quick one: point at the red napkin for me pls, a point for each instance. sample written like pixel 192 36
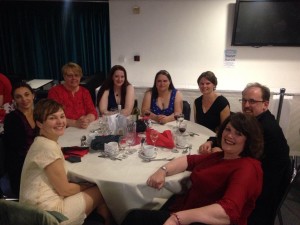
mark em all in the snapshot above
pixel 74 151
pixel 164 139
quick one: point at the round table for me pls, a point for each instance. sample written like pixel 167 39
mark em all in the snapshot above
pixel 123 182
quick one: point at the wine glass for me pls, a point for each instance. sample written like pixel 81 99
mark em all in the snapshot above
pixel 178 116
pixel 154 137
pixel 147 114
pixel 182 127
pixel 130 139
pixel 122 145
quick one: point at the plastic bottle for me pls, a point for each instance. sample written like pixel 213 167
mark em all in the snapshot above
pixel 119 109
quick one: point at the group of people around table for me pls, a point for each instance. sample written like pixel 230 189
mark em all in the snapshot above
pixel 239 177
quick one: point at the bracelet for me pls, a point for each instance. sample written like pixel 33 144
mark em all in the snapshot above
pixel 177 218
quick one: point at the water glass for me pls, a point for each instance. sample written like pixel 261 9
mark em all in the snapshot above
pixel 154 137
pixel 130 139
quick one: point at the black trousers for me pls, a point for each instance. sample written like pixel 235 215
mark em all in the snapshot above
pixel 151 217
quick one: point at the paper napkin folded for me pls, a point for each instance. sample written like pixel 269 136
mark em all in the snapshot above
pixel 74 153
pixel 164 139
pixel 99 141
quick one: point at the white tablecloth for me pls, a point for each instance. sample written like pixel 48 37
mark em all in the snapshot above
pixel 123 183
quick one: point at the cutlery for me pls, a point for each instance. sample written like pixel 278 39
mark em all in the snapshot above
pixel 185 150
pixel 110 157
pixel 162 159
pixel 83 141
pixel 192 134
pixel 190 148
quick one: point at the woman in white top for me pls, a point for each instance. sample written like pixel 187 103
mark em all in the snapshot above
pixel 44 181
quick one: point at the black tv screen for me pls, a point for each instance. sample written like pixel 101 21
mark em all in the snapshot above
pixel 266 23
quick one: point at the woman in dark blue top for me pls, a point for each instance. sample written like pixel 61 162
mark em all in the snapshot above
pixel 210 109
pixel 162 100
pixel 116 90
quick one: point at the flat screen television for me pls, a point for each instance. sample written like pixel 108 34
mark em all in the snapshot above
pixel 266 23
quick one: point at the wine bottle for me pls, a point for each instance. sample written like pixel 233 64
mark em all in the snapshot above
pixel 135 111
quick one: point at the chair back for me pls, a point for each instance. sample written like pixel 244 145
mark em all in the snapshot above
pixel 289 209
pixel 186 110
pixel 16 213
pixel 2 156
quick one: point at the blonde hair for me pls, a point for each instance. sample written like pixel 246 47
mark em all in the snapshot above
pixel 73 66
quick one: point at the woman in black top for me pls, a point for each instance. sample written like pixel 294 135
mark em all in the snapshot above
pixel 211 108
pixel 19 133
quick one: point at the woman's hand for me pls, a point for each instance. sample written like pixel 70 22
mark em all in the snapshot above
pixel 205 148
pixel 162 119
pixel 157 180
pixel 172 220
pixel 83 122
pixel 85 185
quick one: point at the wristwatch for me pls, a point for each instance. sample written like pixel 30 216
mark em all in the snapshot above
pixel 164 169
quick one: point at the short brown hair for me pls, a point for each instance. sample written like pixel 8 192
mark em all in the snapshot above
pixel 209 76
pixel 71 65
pixel 248 126
pixel 265 91
pixel 44 108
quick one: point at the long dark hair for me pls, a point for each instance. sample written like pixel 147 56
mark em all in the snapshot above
pixel 154 88
pixel 109 83
pixel 248 126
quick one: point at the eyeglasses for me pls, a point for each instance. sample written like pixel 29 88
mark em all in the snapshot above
pixel 250 101
pixel 72 75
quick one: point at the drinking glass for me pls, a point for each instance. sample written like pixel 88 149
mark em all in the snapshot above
pixel 180 118
pixel 130 139
pixel 122 146
pixel 147 114
pixel 177 117
pixel 182 127
pixel 154 137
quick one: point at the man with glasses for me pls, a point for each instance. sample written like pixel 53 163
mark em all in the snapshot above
pixel 275 161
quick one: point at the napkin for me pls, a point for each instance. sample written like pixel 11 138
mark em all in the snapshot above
pixel 74 153
pixel 99 141
pixel 164 139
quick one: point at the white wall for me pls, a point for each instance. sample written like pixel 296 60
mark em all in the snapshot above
pixel 188 37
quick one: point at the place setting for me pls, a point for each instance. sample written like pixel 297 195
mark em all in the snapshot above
pixel 182 138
